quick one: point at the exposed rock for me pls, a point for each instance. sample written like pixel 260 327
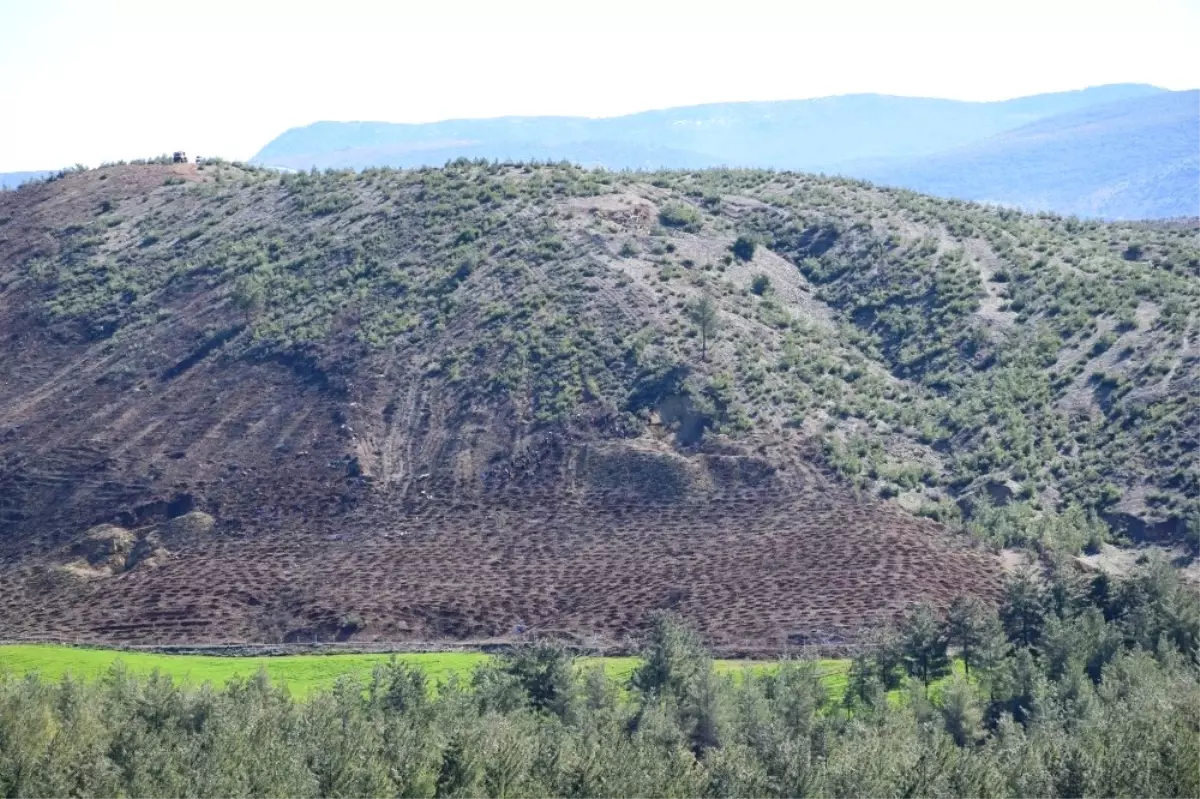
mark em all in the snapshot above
pixel 79 572
pixel 998 492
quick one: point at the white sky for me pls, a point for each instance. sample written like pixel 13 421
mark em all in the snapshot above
pixel 92 80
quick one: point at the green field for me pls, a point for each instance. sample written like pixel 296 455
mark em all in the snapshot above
pixel 303 674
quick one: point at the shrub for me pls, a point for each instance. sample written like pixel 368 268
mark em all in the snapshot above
pixel 761 284
pixel 679 215
pixel 743 248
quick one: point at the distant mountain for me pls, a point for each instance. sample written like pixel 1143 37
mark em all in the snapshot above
pixel 1136 158
pixel 10 180
pixel 814 135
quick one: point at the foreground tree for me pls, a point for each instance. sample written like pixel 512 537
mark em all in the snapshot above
pixel 545 672
pixel 961 712
pixel 678 675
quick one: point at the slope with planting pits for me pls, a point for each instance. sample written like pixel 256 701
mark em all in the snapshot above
pixel 453 404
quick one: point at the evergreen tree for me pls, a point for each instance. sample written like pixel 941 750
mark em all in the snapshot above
pixel 863 684
pixel 460 772
pixel 877 667
pixel 545 672
pixel 961 712
pixel 674 659
pixel 923 643
pixel 924 646
pixel 703 314
pixel 974 629
pixel 1023 609
pixel 678 672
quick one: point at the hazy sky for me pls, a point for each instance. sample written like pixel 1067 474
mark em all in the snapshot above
pixel 94 80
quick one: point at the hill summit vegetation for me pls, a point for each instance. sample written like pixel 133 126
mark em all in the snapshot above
pixel 448 332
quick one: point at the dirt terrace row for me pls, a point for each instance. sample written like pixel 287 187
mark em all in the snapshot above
pixel 815 566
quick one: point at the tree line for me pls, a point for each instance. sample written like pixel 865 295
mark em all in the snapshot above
pixel 1072 686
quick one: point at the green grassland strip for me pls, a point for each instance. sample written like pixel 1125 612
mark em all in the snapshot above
pixel 304 674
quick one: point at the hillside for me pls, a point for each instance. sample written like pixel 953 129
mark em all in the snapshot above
pixel 1137 158
pixel 451 403
pixel 815 135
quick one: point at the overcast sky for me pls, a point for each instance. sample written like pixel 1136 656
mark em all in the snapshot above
pixel 94 80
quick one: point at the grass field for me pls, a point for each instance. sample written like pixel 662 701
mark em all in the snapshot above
pixel 303 674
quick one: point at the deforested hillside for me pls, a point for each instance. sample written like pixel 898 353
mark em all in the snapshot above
pixel 451 403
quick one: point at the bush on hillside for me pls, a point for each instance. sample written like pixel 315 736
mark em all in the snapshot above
pixel 743 248
pixel 679 215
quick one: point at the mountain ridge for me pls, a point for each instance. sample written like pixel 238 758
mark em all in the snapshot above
pixel 916 125
pixel 1137 158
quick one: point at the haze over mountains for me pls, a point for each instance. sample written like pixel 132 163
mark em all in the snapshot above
pixel 1121 151
pixel 11 180
pixel 1136 158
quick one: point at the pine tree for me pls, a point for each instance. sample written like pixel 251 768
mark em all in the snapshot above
pixel 961 712
pixel 678 669
pixel 924 646
pixel 1023 610
pixel 460 771
pixel 703 314
pixel 546 674
pixel 974 628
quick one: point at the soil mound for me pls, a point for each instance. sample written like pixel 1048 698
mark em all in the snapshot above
pixel 106 546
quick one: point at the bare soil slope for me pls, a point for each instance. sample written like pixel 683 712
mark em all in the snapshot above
pixel 441 404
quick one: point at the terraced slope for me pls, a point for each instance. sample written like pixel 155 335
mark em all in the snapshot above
pixel 236 406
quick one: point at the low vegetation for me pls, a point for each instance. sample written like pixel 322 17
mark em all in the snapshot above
pixel 302 675
pixel 1075 688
